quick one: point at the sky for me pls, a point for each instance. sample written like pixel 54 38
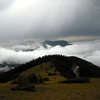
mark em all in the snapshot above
pixel 50 19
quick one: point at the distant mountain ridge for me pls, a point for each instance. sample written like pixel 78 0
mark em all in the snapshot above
pixel 6 67
pixel 55 43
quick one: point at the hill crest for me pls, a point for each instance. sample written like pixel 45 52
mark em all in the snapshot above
pixel 62 64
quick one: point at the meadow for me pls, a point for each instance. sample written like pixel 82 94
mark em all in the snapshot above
pixel 52 90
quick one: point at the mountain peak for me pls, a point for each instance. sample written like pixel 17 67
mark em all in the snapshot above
pixel 55 43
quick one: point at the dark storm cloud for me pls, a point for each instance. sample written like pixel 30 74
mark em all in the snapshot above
pixel 49 18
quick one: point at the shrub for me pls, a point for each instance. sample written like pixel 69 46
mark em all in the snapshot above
pixel 79 80
pixel 24 87
pixel 21 80
pixel 33 78
pixel 26 80
pixel 46 79
pixel 52 74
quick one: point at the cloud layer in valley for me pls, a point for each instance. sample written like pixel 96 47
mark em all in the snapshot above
pixel 89 50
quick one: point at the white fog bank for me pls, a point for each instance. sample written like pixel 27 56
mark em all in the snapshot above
pixel 88 50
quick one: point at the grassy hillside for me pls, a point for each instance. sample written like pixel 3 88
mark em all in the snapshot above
pixel 45 72
pixel 54 91
pixel 43 79
pixel 62 64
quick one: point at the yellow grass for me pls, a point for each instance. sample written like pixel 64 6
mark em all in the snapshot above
pixel 43 70
pixel 54 91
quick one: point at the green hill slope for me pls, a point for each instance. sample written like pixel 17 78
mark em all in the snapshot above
pixel 51 67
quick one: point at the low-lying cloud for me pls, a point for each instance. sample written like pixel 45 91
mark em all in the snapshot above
pixel 89 50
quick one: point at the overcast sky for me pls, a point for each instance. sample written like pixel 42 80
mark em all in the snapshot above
pixel 49 19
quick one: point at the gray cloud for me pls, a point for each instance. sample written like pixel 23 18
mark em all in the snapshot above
pixel 5 3
pixel 88 50
pixel 49 18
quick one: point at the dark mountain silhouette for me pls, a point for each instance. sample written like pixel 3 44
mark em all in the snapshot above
pixel 61 64
pixel 10 65
pixel 55 43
